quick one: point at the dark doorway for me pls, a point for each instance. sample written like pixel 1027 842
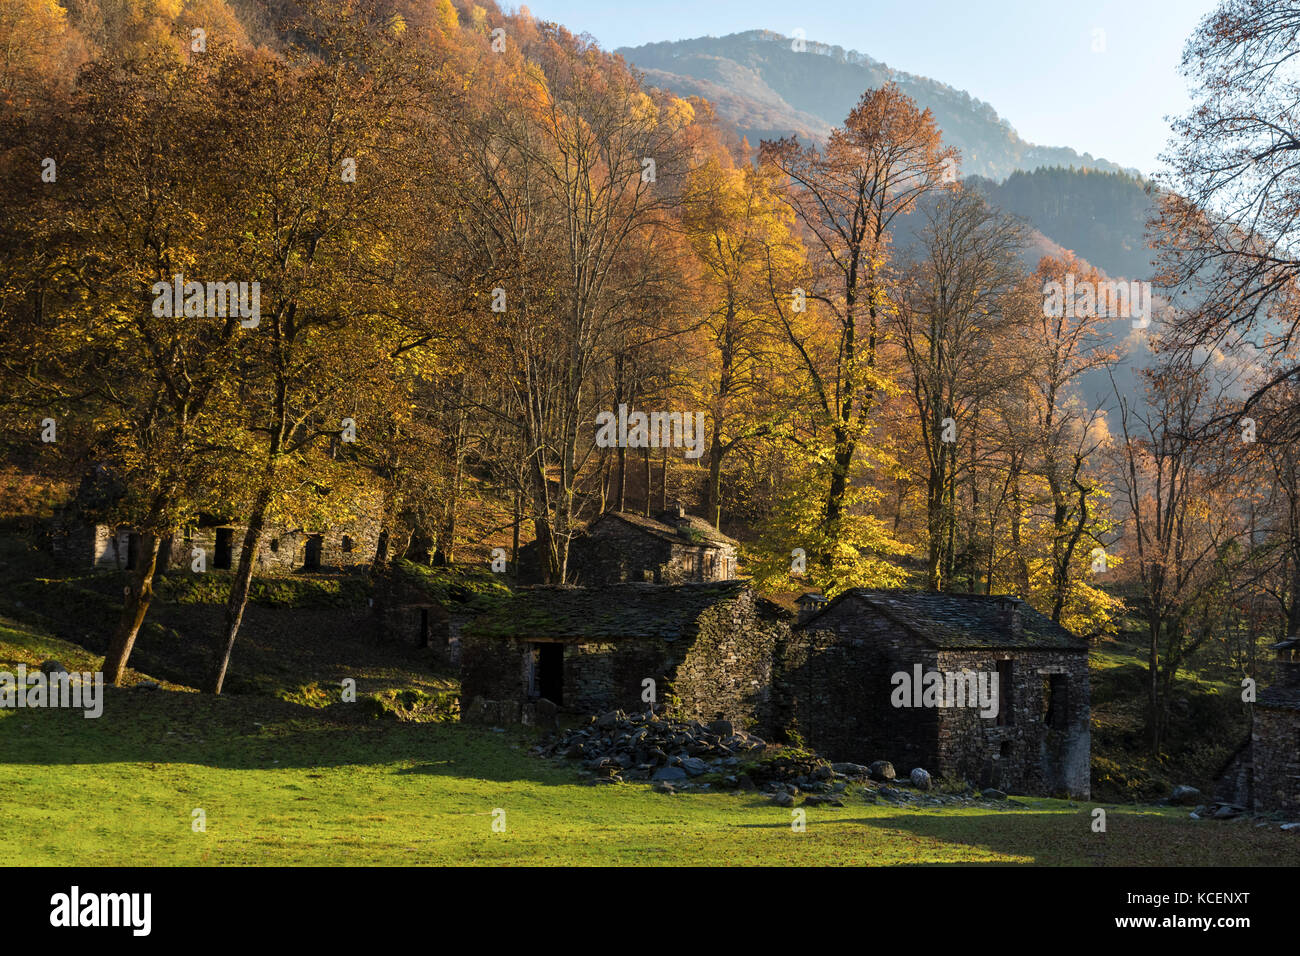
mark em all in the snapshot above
pixel 550 672
pixel 225 548
pixel 132 551
pixel 1055 701
pixel 311 561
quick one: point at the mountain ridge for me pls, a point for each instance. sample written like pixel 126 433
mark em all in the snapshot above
pixel 766 90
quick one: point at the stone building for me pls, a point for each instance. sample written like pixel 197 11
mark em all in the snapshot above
pixel 835 676
pixel 104 547
pixel 1274 753
pixel 851 679
pixel 671 548
pixel 707 647
pixel 80 535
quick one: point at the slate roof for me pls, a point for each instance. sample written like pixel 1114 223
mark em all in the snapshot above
pixel 962 621
pixel 633 610
pixel 689 530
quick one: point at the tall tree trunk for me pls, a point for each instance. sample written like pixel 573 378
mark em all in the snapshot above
pixel 138 597
pixel 620 499
pixel 663 480
pixel 242 583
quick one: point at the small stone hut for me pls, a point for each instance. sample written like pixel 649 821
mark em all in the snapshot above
pixel 707 647
pixel 673 547
pixel 848 674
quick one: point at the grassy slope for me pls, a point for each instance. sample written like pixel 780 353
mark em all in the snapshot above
pixel 283 784
pixel 1207 721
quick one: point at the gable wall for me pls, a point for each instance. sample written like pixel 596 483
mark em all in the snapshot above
pixel 835 679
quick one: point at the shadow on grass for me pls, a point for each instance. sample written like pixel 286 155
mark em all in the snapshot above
pixel 257 733
pixel 1133 837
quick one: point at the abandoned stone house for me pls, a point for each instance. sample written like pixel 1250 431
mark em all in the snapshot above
pixel 104 547
pixel 1264 773
pixel 839 685
pixel 707 648
pixel 80 536
pixel 719 650
pixel 673 547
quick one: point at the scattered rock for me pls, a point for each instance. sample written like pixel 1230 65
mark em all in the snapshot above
pixel 52 667
pixel 783 799
pixel 1226 812
pixel 820 800
pixel 992 794
pixel 669 774
pixel 921 779
pixel 723 728
pixel 881 771
pixel 694 766
pixel 1183 795
pixel 854 770
pixel 1291 826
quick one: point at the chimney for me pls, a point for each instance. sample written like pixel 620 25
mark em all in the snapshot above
pixel 1286 663
pixel 809 604
pixel 1009 612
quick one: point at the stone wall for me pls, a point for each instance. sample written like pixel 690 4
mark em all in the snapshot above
pixel 727 671
pixel 1022 754
pixel 835 683
pixel 1275 756
pixel 721 670
pixel 614 551
pixel 285 549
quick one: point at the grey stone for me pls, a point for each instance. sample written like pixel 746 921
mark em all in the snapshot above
pixel 816 800
pixel 850 769
pixel 993 794
pixel 52 667
pixel 670 774
pixel 783 799
pixel 921 779
pixel 694 766
pixel 881 770
pixel 1183 795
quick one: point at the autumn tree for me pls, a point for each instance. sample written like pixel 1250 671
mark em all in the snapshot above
pixel 952 325
pixel 846 197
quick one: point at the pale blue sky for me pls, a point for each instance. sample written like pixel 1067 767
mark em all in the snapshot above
pixel 1032 60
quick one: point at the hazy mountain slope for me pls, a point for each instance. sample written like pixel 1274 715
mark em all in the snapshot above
pixel 766 89
pixel 1101 216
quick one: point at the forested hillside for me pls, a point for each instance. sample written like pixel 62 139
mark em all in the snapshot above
pixel 289 263
pixel 768 89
